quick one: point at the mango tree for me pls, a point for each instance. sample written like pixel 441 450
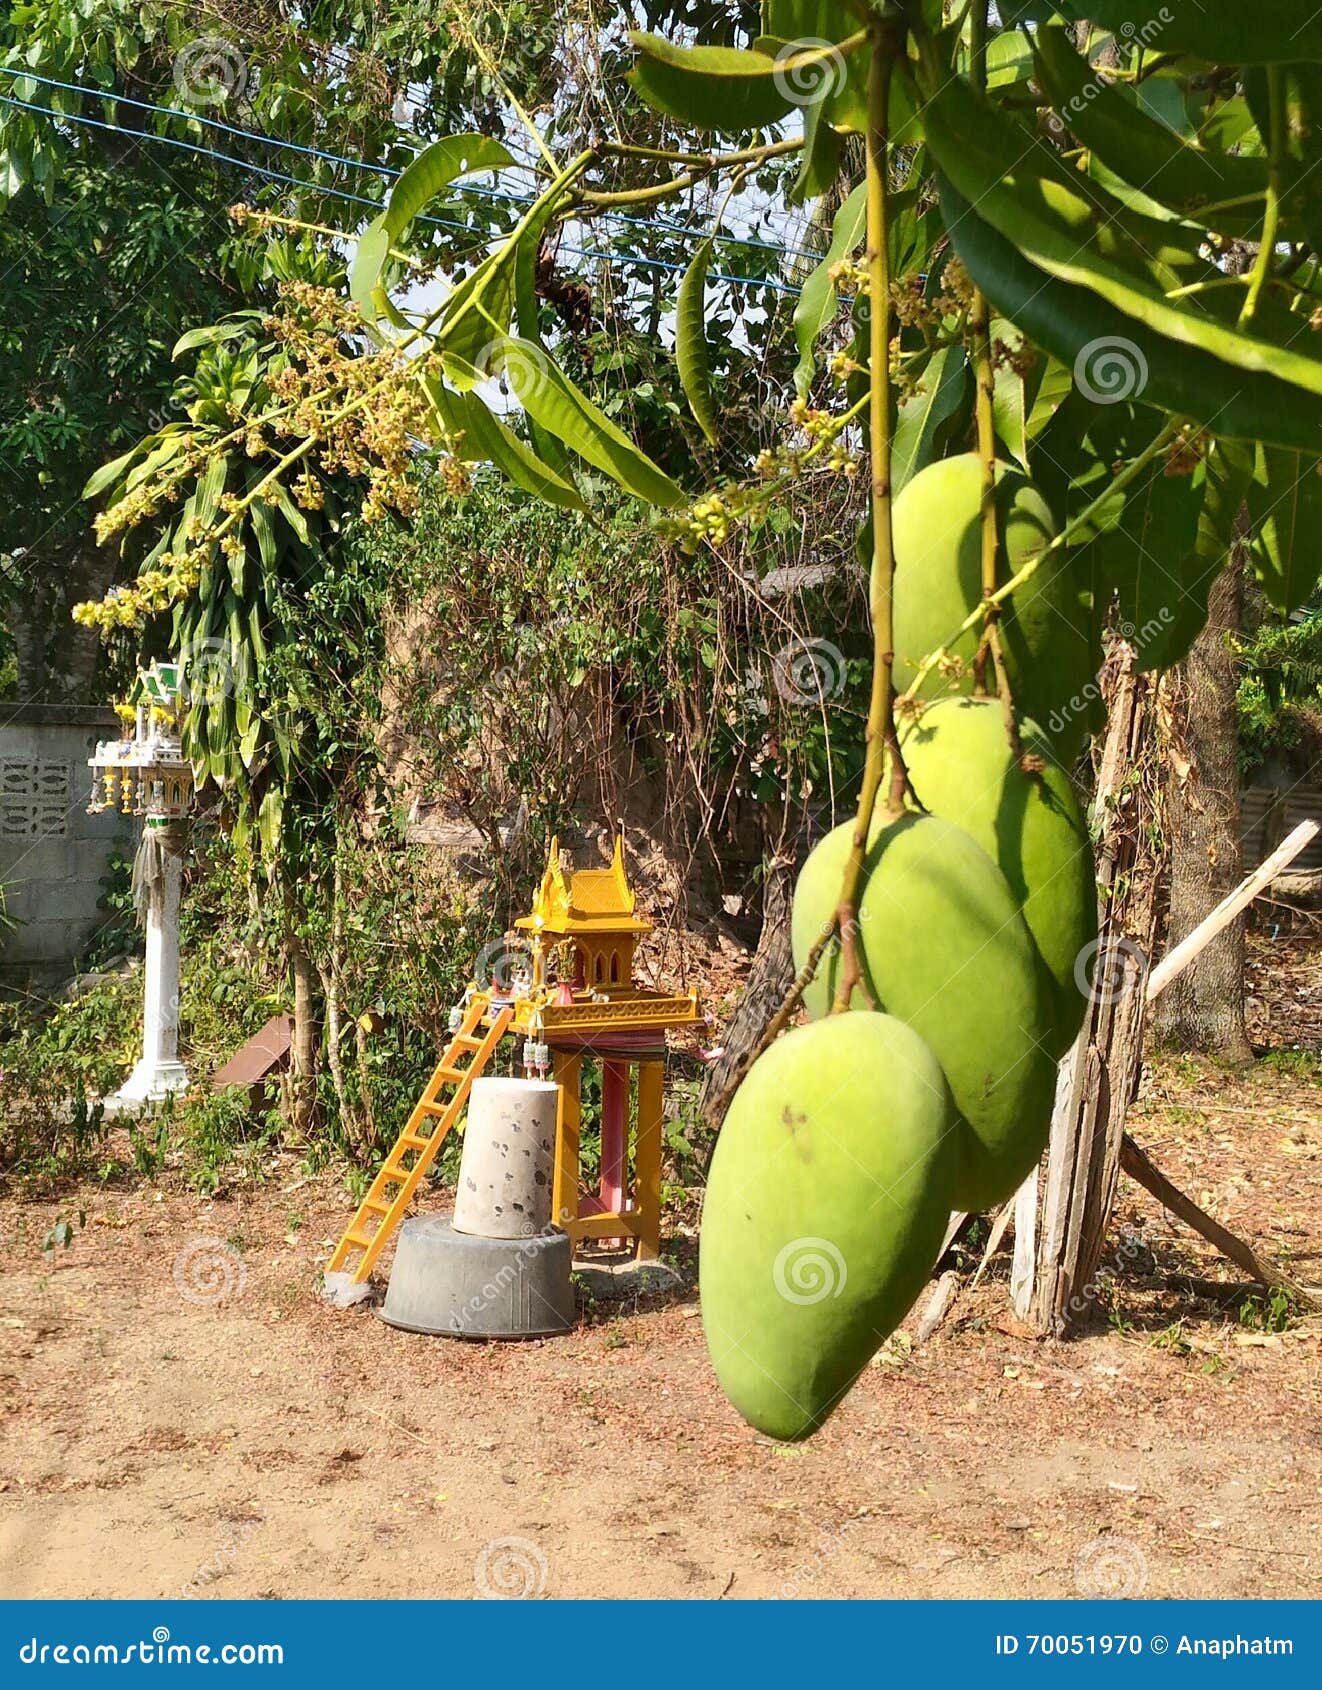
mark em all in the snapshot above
pixel 1035 321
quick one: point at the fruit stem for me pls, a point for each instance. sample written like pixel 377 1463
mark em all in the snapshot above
pixel 985 389
pixel 1127 476
pixel 1271 216
pixel 880 736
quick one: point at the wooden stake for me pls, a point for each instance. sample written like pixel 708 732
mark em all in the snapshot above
pixel 1139 1168
pixel 1176 961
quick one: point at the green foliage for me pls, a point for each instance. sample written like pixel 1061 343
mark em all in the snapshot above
pixel 1279 692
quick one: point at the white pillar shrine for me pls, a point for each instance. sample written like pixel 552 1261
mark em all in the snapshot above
pixel 149 777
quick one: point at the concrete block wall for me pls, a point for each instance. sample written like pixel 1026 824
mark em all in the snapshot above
pixel 53 855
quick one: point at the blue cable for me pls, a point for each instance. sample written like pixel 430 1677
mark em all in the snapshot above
pixel 775 285
pixel 385 170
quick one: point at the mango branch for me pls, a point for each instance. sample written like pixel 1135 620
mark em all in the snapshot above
pixel 699 167
pixel 880 733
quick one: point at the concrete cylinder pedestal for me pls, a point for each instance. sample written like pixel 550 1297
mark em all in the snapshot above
pixel 508 1163
pixel 159 1072
pixel 451 1284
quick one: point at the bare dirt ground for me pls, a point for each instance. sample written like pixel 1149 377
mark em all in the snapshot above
pixel 261 1444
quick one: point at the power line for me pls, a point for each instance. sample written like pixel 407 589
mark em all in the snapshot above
pixel 376 169
pixel 772 283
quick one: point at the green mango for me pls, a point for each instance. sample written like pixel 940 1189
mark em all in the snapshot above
pixel 826 1205
pixel 938 581
pixel 961 767
pixel 816 895
pixel 945 949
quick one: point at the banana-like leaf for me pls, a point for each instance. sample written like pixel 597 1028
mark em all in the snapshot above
pixel 108 474
pixel 1055 229
pixel 691 341
pixel 206 501
pixel 434 169
pixel 296 518
pixel 263 527
pixel 1115 357
pixel 1285 505
pixel 210 333
pixel 555 404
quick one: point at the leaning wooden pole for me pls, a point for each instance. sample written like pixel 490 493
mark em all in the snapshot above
pixel 1061 1224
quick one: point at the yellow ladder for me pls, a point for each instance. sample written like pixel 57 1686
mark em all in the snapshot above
pixel 393 1188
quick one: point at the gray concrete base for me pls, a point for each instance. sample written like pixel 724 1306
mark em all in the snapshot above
pixel 455 1285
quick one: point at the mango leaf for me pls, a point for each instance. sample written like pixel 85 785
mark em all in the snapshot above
pixel 1214 30
pixel 1009 401
pixel 723 88
pixel 210 333
pixel 817 301
pixel 1116 356
pixel 478 312
pixel 555 404
pixel 923 414
pixel 486 439
pixel 1166 170
pixel 983 156
pixel 1147 557
pixel 691 341
pixel 819 163
pixel 434 168
pixel 1053 389
pixel 1009 59
pixel 1285 507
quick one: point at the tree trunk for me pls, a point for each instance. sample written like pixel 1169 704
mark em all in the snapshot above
pixel 771 976
pixel 1059 1237
pixel 303 1050
pixel 1203 1010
